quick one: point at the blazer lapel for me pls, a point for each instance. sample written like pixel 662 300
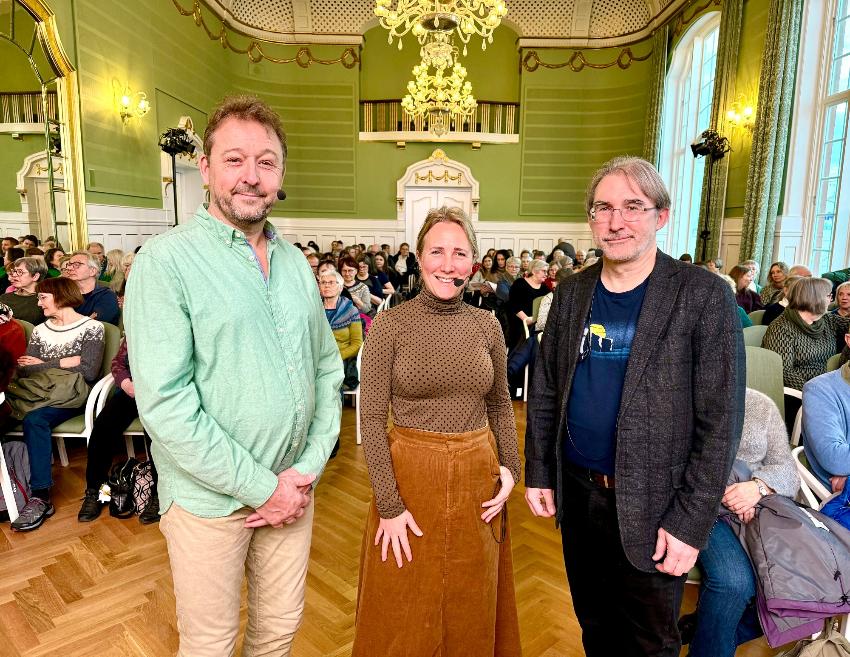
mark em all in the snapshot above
pixel 654 318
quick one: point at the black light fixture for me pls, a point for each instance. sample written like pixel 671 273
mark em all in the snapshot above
pixel 174 142
pixel 712 145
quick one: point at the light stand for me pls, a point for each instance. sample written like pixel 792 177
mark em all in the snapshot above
pixel 714 147
pixel 174 142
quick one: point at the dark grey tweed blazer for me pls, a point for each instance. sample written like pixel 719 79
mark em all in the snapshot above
pixel 682 409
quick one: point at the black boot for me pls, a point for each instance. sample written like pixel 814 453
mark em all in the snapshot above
pixel 91 508
pixel 150 513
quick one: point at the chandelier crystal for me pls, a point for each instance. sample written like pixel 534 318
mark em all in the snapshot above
pixel 463 18
pixel 442 94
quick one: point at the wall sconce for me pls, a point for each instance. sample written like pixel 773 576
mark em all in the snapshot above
pixel 742 114
pixel 129 104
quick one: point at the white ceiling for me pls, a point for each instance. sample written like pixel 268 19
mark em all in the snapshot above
pixel 547 22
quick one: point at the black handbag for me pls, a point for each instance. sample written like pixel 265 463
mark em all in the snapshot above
pixel 121 478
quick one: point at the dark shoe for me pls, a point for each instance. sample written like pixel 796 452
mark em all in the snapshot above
pixel 150 513
pixel 35 512
pixel 91 508
pixel 335 449
pixel 687 627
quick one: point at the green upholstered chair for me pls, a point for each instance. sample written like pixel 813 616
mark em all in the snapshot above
pixel 27 328
pixel 753 335
pixel 764 373
pixel 756 316
pixel 832 363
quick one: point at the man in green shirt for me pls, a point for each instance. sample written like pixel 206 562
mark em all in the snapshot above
pixel 237 379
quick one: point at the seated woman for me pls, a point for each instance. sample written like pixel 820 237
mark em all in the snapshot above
pixel 387 276
pixel 358 291
pixel 726 615
pixel 552 276
pixel 773 291
pixel 521 300
pixel 826 425
pixel 842 298
pixel 345 324
pixel 365 275
pixel 52 258
pixel 25 274
pixel 805 335
pixel 69 341
pixel 507 277
pixel 748 299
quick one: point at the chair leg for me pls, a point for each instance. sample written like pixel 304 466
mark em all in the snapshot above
pixel 525 386
pixel 357 416
pixel 63 453
pixel 6 485
pixel 131 449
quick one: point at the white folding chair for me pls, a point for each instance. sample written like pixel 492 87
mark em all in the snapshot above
pixel 6 480
pixel 813 491
pixel 356 394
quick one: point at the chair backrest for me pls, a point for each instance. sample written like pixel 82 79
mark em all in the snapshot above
pixel 753 335
pixel 814 492
pixel 755 318
pixel 28 328
pixel 764 373
pixel 832 363
pixel 111 342
pixel 535 307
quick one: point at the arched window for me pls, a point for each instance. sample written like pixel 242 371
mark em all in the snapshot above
pixel 687 111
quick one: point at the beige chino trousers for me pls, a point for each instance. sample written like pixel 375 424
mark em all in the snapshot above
pixel 209 558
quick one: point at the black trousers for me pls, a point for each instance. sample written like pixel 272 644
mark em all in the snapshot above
pixel 107 437
pixel 622 611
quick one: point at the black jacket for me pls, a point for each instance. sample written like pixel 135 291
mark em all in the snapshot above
pixel 681 412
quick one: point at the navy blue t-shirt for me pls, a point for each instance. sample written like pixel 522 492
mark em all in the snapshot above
pixel 597 388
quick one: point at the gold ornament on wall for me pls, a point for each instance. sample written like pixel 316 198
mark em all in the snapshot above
pixel 304 57
pixel 531 61
pixel 687 15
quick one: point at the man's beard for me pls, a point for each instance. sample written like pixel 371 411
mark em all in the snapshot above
pixel 242 220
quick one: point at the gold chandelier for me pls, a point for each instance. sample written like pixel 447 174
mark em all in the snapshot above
pixel 422 17
pixel 439 95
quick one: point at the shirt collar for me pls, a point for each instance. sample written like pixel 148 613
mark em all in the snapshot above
pixel 223 232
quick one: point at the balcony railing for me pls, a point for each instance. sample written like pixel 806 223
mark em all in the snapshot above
pixel 26 107
pixel 489 118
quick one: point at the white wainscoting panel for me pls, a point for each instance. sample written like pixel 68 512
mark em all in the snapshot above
pixel 730 242
pixel 125 228
pixel 13 224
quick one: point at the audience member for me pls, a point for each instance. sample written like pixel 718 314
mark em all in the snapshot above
pixel 826 426
pixel 579 259
pixel 118 284
pixel 9 257
pixel 34 251
pixel 109 426
pixel 500 261
pixel 524 262
pixel 359 293
pixel 52 258
pixel 385 273
pixel 113 265
pixel 345 324
pixel 726 616
pixel 99 303
pixel 13 338
pixel 29 242
pixel 68 341
pixel 25 274
pixel 748 299
pixel 404 262
pixel 711 265
pixel 743 317
pixel 842 298
pixel 772 292
pixel 805 335
pixel 537 254
pixel 753 266
pixel 97 250
pixel 365 275
pixel 8 243
pixel 775 309
pixel 507 277
pixel 313 261
pixel 521 301
pixel 800 270
pixel 686 257
pixel 551 276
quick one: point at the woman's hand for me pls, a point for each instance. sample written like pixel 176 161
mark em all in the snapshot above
pixel 741 497
pixel 358 303
pixel 70 361
pixel 394 531
pixel 837 483
pixel 494 506
pixel 129 387
pixel 29 360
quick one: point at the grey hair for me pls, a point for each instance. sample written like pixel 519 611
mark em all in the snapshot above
pixel 93 261
pixel 513 260
pixel 333 272
pixel 642 173
pixel 537 265
pixel 33 264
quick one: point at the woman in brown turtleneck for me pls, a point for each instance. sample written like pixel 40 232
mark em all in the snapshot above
pixel 443 472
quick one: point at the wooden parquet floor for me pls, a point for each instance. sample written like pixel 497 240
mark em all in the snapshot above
pixel 104 588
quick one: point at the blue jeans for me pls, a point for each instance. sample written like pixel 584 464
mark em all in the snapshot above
pixel 726 615
pixel 38 426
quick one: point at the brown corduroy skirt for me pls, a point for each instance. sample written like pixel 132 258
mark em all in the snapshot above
pixel 457 595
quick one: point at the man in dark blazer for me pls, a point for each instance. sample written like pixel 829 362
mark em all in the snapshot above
pixel 634 419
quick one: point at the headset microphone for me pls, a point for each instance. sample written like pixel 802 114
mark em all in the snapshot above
pixel 459 282
pixel 281 195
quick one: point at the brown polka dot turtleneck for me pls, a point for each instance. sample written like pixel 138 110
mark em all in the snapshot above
pixel 441 366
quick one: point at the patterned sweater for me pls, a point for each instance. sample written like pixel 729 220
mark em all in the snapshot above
pixel 52 342
pixel 804 355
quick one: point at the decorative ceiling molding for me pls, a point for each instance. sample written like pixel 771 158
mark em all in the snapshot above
pixel 555 23
pixel 531 61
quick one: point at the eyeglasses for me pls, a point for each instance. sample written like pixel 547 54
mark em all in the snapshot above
pixel 16 272
pixel 603 213
pixel 75 265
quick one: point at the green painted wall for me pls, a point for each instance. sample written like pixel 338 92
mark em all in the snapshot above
pixel 12 154
pixel 753 31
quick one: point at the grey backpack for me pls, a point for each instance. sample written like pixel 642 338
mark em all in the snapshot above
pixel 18 464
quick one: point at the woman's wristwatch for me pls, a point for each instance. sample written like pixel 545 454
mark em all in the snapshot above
pixel 763 489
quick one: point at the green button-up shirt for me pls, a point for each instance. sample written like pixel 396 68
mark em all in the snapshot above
pixel 237 377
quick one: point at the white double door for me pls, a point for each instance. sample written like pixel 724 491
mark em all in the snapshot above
pixel 419 200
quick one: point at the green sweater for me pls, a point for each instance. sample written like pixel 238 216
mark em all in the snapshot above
pixel 237 377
